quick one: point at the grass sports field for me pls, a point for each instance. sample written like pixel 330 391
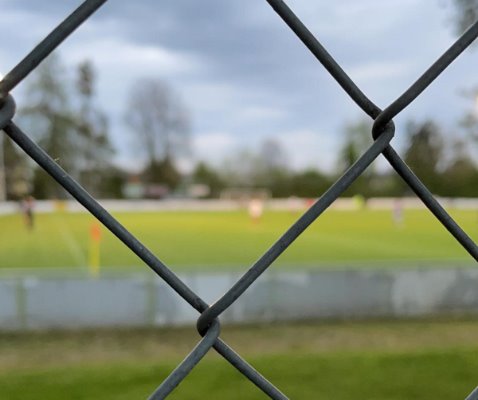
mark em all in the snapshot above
pixel 354 360
pixel 386 360
pixel 229 240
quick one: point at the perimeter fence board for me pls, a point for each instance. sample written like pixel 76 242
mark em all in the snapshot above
pixel 145 301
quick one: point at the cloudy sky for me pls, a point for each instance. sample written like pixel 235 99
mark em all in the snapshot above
pixel 245 76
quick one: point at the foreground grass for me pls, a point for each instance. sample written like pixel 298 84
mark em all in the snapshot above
pixel 445 375
pixel 373 360
pixel 222 240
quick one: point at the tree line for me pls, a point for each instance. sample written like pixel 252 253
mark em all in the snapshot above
pixel 62 113
pixel 445 166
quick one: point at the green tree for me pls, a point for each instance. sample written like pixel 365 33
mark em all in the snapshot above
pixel 51 121
pixel 469 122
pixel 163 171
pixel 206 175
pixel 460 178
pixel 239 169
pixel 67 123
pixel 271 169
pixel 309 183
pixel 17 170
pixel 262 168
pixel 425 154
pixel 357 138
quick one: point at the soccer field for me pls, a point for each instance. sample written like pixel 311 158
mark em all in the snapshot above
pixel 230 240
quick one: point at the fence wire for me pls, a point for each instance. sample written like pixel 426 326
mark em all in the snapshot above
pixel 208 324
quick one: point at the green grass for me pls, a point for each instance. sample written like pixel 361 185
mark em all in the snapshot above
pixel 444 375
pixel 368 360
pixel 221 240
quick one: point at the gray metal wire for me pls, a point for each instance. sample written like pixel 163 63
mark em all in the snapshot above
pixel 473 395
pixel 208 324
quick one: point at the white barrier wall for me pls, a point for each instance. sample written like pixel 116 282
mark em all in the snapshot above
pixel 34 303
pixel 230 205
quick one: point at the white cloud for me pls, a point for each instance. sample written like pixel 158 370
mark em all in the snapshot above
pixel 304 148
pixel 119 64
pixel 115 53
pixel 213 146
pixel 260 112
pixel 379 70
pixel 211 96
pixel 308 148
pixel 19 42
pixel 364 18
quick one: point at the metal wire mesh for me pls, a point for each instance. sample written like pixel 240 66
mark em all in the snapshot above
pixel 208 324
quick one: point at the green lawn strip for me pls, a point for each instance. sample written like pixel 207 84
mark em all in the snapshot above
pixel 394 359
pixel 418 375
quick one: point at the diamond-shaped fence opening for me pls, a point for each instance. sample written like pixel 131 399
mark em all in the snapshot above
pixel 208 323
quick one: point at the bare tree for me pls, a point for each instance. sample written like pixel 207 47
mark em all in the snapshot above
pixel 469 121
pixel 273 155
pixel 466 13
pixel 160 124
pixel 94 150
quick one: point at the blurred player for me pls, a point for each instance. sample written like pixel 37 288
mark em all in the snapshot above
pixel 397 213
pixel 27 205
pixel 256 208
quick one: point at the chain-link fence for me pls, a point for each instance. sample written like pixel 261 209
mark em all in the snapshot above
pixel 208 323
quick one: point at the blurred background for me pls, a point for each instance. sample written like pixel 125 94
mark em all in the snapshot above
pixel 207 130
